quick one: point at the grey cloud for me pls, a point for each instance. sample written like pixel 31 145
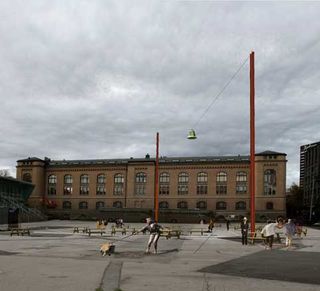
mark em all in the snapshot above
pixel 98 79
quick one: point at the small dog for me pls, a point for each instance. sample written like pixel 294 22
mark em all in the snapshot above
pixel 107 249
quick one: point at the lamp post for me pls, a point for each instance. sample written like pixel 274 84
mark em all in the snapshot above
pixel 252 145
pixel 156 190
pixel 252 185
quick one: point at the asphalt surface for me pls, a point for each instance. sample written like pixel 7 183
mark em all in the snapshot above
pixel 55 258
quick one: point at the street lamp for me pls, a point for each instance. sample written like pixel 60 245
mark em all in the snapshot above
pixel 192 135
pixel 156 190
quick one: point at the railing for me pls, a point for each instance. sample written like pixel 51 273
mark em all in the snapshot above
pixel 10 201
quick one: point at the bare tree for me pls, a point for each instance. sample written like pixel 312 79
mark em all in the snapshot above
pixel 4 173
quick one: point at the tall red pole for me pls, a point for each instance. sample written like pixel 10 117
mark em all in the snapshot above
pixel 156 190
pixel 252 145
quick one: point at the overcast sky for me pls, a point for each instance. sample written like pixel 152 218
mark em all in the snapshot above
pixel 98 79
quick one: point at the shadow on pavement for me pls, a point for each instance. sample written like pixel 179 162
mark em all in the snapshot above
pixel 301 267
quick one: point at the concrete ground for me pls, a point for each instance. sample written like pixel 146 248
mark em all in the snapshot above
pixel 55 258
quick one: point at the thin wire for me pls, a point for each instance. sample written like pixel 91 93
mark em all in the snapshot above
pixel 219 94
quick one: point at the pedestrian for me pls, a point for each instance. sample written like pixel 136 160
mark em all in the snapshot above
pixel 155 229
pixel 244 230
pixel 228 223
pixel 290 230
pixel 211 225
pixel 269 230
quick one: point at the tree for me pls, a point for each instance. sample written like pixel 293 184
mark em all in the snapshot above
pixel 4 173
pixel 294 201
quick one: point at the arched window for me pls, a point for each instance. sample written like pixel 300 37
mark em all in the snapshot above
pixel 183 178
pixel 164 178
pixel 99 204
pixel 182 205
pixel 221 177
pixel 202 186
pixel 183 188
pixel 221 205
pixel 101 185
pixel 163 204
pixel 118 184
pixel 66 205
pixel 67 188
pixel 117 204
pixel 270 182
pixel 241 205
pixel 27 177
pixel 241 177
pixel 202 204
pixel 84 184
pixel 83 205
pixel 52 180
pixel 52 184
pixel 141 177
pixel 202 177
pixel 140 186
pixel 68 179
pixel 84 179
pixel 101 179
pixel 269 205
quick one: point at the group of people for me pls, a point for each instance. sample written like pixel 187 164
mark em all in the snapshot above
pixel 269 231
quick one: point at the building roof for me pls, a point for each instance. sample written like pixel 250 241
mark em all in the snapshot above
pixel 162 160
pixel 30 159
pixel 270 153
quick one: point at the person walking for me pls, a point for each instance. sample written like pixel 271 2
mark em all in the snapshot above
pixel 290 230
pixel 228 223
pixel 211 225
pixel 244 230
pixel 269 230
pixel 155 229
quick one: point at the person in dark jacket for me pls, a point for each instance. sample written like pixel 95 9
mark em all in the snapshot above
pixel 244 231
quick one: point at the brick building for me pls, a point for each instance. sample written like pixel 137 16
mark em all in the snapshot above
pixel 219 183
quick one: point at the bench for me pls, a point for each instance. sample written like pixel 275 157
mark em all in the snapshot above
pixel 77 229
pixel 95 231
pixel 20 231
pixel 169 233
pixel 114 230
pixel 201 231
pixel 257 236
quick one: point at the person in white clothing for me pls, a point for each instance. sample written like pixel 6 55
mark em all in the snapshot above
pixel 269 231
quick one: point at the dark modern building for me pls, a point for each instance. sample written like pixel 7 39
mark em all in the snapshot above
pixel 310 174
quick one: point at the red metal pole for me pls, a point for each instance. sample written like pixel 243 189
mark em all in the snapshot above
pixel 252 145
pixel 156 190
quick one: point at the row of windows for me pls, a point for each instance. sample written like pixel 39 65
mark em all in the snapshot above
pixel 269 178
pixel 142 178
pixel 140 189
pixel 220 205
pixel 84 204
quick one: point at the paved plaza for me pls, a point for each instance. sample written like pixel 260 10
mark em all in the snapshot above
pixel 54 258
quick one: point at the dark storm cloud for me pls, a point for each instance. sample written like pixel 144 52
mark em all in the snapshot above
pixel 98 79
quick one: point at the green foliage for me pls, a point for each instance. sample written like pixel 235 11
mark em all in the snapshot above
pixel 294 200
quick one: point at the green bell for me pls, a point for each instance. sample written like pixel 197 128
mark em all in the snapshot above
pixel 192 134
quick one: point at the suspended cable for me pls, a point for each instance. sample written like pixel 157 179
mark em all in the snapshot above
pixel 222 90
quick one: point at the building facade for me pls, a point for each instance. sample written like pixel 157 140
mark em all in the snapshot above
pixel 220 184
pixel 310 173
